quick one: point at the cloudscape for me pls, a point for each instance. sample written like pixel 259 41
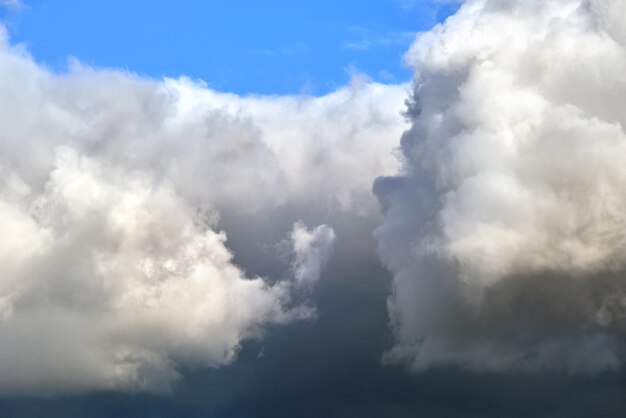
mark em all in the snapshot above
pixel 437 228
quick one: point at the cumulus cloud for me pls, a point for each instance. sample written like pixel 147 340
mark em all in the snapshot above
pixel 115 269
pixel 312 249
pixel 506 234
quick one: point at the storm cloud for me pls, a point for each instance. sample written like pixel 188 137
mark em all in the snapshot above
pixel 506 234
pixel 449 248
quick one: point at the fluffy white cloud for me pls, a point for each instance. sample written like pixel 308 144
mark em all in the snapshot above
pixel 507 235
pixel 114 269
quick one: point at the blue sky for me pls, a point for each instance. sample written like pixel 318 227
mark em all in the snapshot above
pixel 240 46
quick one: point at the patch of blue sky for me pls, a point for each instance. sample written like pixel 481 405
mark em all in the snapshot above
pixel 239 46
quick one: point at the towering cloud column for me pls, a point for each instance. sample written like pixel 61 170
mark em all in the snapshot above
pixel 506 234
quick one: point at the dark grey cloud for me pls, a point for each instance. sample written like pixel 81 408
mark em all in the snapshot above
pixel 332 368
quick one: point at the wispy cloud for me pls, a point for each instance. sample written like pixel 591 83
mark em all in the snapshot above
pixel 13 4
pixel 298 48
pixel 410 5
pixel 368 39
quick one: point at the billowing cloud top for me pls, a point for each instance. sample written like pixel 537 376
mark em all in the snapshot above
pixel 507 234
pixel 114 268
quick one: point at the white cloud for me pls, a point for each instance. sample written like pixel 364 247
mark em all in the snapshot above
pixel 507 235
pixel 312 249
pixel 114 268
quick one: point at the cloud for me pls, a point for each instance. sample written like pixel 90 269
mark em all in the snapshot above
pixel 312 249
pixel 374 39
pixel 13 4
pixel 506 234
pixel 114 192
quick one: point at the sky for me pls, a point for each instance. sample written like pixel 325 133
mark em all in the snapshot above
pixel 266 210
pixel 244 47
